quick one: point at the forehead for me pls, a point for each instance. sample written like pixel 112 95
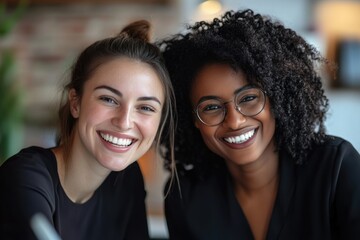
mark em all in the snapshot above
pixel 127 75
pixel 217 80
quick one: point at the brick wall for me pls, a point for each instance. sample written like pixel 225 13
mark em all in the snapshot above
pixel 48 38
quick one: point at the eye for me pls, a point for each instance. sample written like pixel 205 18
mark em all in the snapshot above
pixel 248 98
pixel 108 100
pixel 147 109
pixel 210 107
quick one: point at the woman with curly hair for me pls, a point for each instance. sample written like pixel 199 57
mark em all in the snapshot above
pixel 253 158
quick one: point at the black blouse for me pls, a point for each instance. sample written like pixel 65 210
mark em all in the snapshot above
pixel 317 200
pixel 29 184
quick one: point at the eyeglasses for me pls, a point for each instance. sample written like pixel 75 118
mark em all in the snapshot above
pixel 249 102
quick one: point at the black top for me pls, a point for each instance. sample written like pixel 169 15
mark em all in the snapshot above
pixel 317 200
pixel 29 184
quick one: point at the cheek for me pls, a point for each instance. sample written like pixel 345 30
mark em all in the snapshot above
pixel 92 114
pixel 208 136
pixel 268 121
pixel 149 126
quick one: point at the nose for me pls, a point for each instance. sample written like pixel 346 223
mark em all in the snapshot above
pixel 233 118
pixel 123 119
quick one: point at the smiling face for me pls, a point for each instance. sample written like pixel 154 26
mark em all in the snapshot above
pixel 238 139
pixel 118 114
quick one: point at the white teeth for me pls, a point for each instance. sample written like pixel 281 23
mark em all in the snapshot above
pixel 124 142
pixel 240 139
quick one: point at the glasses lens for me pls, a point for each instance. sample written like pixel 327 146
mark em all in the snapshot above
pixel 250 102
pixel 211 112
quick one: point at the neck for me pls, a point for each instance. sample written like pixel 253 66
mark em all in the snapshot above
pixel 78 177
pixel 257 176
pixel 254 184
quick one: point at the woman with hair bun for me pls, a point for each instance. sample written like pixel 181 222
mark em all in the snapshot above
pixel 115 107
pixel 253 158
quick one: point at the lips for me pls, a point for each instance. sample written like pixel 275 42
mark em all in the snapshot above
pixel 121 142
pixel 240 138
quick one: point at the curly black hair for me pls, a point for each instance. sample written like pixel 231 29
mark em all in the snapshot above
pixel 271 56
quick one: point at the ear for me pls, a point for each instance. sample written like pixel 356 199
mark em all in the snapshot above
pixel 74 103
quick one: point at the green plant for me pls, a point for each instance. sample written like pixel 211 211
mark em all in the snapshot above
pixel 11 108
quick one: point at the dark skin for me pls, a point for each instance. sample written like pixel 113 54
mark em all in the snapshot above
pixel 256 193
pixel 256 51
pixel 252 163
pixel 261 48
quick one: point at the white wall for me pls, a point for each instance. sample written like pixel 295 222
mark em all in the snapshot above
pixel 293 13
pixel 344 115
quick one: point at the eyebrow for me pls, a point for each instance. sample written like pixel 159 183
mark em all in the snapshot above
pixel 243 88
pixel 118 93
pixel 113 90
pixel 202 99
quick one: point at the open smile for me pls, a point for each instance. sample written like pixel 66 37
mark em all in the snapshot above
pixel 241 138
pixel 121 142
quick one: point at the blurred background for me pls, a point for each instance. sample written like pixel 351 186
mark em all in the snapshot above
pixel 40 39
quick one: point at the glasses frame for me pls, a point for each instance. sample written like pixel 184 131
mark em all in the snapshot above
pixel 237 108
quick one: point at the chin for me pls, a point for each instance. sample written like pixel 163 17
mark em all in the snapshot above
pixel 115 165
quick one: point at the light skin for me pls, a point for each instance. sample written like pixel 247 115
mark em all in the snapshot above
pixel 117 116
pixel 253 164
